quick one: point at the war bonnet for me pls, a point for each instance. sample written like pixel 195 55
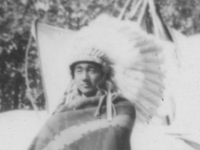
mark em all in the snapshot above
pixel 101 43
pixel 135 61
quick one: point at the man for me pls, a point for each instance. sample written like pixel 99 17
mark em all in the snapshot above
pixel 91 78
pixel 93 115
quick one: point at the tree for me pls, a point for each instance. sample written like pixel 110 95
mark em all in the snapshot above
pixel 182 15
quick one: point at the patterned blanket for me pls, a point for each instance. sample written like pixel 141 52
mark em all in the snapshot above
pixel 80 130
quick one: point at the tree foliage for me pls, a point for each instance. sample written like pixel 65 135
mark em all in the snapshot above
pixel 15 24
pixel 182 15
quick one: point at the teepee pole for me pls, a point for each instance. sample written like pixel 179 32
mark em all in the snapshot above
pixel 154 17
pixel 128 2
pixel 141 16
pixel 28 89
pixel 135 8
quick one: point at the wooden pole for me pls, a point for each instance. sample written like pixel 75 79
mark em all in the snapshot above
pixel 28 89
pixel 135 8
pixel 128 2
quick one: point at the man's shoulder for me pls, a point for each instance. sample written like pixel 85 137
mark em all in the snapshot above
pixel 124 106
pixel 123 101
pixel 120 99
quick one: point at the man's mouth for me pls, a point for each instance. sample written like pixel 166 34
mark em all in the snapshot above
pixel 86 85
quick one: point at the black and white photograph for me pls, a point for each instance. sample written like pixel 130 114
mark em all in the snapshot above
pixel 100 75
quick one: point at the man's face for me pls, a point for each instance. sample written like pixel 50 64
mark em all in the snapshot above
pixel 87 75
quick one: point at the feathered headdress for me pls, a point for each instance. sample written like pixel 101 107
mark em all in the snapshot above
pixel 135 58
pixel 137 62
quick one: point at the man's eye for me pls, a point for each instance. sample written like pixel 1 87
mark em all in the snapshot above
pixel 78 70
pixel 92 70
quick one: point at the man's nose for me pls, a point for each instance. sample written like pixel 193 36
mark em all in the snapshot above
pixel 85 75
